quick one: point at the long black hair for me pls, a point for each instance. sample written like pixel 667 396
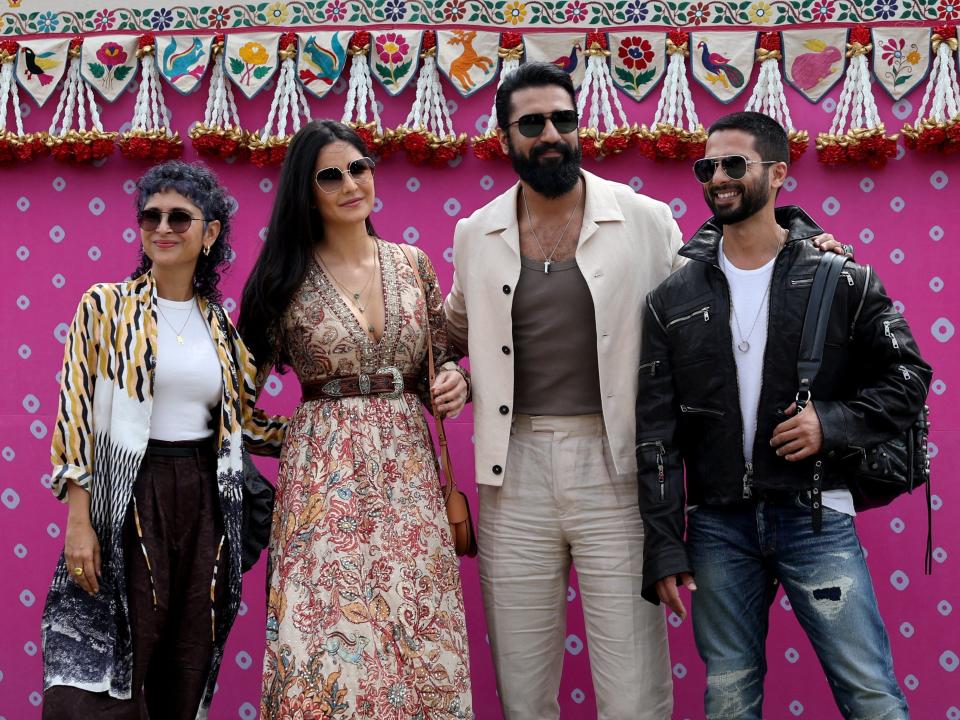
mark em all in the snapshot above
pixel 295 230
pixel 198 184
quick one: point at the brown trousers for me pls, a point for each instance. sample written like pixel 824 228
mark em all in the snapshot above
pixel 179 511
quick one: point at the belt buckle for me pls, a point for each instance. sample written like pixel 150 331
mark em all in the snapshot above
pixel 397 376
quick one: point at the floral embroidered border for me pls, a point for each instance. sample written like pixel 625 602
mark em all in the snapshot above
pixel 83 16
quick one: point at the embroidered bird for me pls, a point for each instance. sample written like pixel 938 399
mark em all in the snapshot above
pixel 186 62
pixel 568 63
pixel 37 64
pixel 719 68
pixel 810 68
pixel 328 63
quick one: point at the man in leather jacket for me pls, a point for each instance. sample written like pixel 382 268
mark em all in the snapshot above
pixel 766 500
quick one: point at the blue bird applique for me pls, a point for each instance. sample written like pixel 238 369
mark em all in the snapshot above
pixel 176 65
pixel 719 68
pixel 325 65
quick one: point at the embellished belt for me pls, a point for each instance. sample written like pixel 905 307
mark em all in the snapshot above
pixel 385 381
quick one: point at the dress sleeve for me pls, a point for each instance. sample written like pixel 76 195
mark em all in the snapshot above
pixel 71 451
pixel 445 355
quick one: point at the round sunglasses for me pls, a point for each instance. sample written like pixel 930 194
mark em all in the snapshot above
pixel 330 179
pixel 733 166
pixel 177 220
pixel 532 125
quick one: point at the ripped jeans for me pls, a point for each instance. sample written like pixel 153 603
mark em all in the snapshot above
pixel 740 555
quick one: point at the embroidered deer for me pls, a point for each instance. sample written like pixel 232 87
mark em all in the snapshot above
pixel 460 67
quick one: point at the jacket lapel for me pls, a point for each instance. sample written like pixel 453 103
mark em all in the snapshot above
pixel 600 206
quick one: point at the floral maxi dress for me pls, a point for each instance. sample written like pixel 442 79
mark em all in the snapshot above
pixel 365 612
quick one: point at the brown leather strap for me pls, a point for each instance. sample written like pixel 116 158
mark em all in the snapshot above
pixel 342 386
pixel 445 463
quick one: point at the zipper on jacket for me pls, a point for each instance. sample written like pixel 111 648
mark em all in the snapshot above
pixel 849 278
pixel 661 473
pixel 889 333
pixel 801 282
pixel 705 311
pixel 748 481
pixel 697 411
pixel 863 297
pixel 905 372
pixel 652 365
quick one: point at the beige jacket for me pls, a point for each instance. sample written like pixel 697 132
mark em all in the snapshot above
pixel 628 244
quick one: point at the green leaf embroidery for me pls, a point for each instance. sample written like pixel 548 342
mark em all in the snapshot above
pixel 625 77
pixel 401 70
pixel 261 72
pixel 646 76
pixel 121 72
pixel 900 80
pixel 96 69
pixel 236 65
pixel 383 71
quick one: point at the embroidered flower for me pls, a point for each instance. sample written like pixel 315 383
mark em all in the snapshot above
pixel 336 11
pixel 885 9
pixel 948 9
pixel 760 13
pixel 893 50
pixel 636 53
pixel 277 13
pixel 47 22
pixel 454 10
pixel 253 53
pixel 104 19
pixel 515 12
pixel 823 10
pixel 392 47
pixel 636 11
pixel 913 57
pixel 395 10
pixel 111 54
pixel 576 12
pixel 698 13
pixel 161 19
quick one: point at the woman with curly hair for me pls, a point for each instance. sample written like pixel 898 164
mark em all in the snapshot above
pixel 365 613
pixel 156 401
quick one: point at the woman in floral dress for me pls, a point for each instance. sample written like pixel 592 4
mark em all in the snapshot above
pixel 365 610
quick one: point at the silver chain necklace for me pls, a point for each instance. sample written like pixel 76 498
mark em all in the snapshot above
pixel 744 344
pixel 548 259
pixel 179 333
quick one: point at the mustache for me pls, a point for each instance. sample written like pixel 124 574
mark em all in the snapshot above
pixel 540 149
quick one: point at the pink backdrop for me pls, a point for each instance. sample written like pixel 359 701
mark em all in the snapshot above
pixel 66 228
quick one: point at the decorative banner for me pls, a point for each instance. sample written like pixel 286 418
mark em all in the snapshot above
pixel 638 61
pixel 565 50
pixel 321 59
pixel 183 59
pixel 722 62
pixel 108 63
pixel 393 58
pixel 251 59
pixel 814 60
pixel 40 66
pixel 468 58
pixel 901 58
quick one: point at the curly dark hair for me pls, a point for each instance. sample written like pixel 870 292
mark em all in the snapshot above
pixel 197 183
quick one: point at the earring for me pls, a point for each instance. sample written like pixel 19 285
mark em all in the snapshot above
pixel 206 249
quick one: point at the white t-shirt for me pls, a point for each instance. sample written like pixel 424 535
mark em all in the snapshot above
pixel 750 300
pixel 187 382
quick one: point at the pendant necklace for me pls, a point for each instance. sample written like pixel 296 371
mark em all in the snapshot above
pixel 178 333
pixel 355 296
pixel 548 259
pixel 744 344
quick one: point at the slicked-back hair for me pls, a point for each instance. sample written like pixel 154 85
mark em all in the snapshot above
pixel 769 138
pixel 198 184
pixel 530 74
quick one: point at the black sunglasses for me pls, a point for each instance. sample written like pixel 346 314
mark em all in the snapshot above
pixel 177 220
pixel 733 166
pixel 533 124
pixel 330 179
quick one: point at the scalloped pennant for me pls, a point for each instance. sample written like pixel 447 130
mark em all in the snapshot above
pixel 108 63
pixel 468 58
pixel 183 59
pixel 565 50
pixel 722 62
pixel 322 57
pixel 41 64
pixel 638 61
pixel 393 58
pixel 901 58
pixel 251 59
pixel 814 60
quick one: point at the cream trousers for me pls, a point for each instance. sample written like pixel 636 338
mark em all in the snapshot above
pixel 562 501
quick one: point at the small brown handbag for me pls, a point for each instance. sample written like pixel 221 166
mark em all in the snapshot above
pixel 458 509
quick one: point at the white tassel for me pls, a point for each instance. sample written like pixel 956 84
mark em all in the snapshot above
pixel 487 146
pixel 360 95
pixel 220 134
pixel 768 96
pixel 267 147
pixel 614 137
pixel 15 145
pixel 940 129
pixel 149 137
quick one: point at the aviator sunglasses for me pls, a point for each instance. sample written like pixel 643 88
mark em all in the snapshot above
pixel 733 166
pixel 533 124
pixel 330 179
pixel 177 220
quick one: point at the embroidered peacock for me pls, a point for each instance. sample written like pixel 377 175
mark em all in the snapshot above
pixel 326 64
pixel 186 62
pixel 568 63
pixel 719 68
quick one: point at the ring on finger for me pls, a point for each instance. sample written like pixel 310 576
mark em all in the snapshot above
pixel 78 571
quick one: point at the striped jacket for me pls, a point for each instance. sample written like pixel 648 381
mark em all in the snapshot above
pixel 102 429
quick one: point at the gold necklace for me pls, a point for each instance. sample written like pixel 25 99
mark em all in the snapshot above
pixel 355 297
pixel 178 333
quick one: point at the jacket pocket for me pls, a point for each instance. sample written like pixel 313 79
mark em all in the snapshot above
pixel 702 314
pixel 653 486
pixel 693 410
pixel 649 368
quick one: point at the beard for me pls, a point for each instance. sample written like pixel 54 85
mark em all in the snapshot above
pixel 551 177
pixel 752 199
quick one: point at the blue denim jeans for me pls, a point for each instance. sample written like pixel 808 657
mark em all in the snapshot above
pixel 739 556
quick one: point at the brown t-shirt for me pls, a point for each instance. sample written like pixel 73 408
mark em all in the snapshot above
pixel 555 366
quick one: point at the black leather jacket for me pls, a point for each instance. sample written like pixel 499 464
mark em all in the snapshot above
pixel 872 385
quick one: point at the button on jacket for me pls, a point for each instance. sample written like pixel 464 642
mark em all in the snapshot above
pixel 871 385
pixel 628 243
